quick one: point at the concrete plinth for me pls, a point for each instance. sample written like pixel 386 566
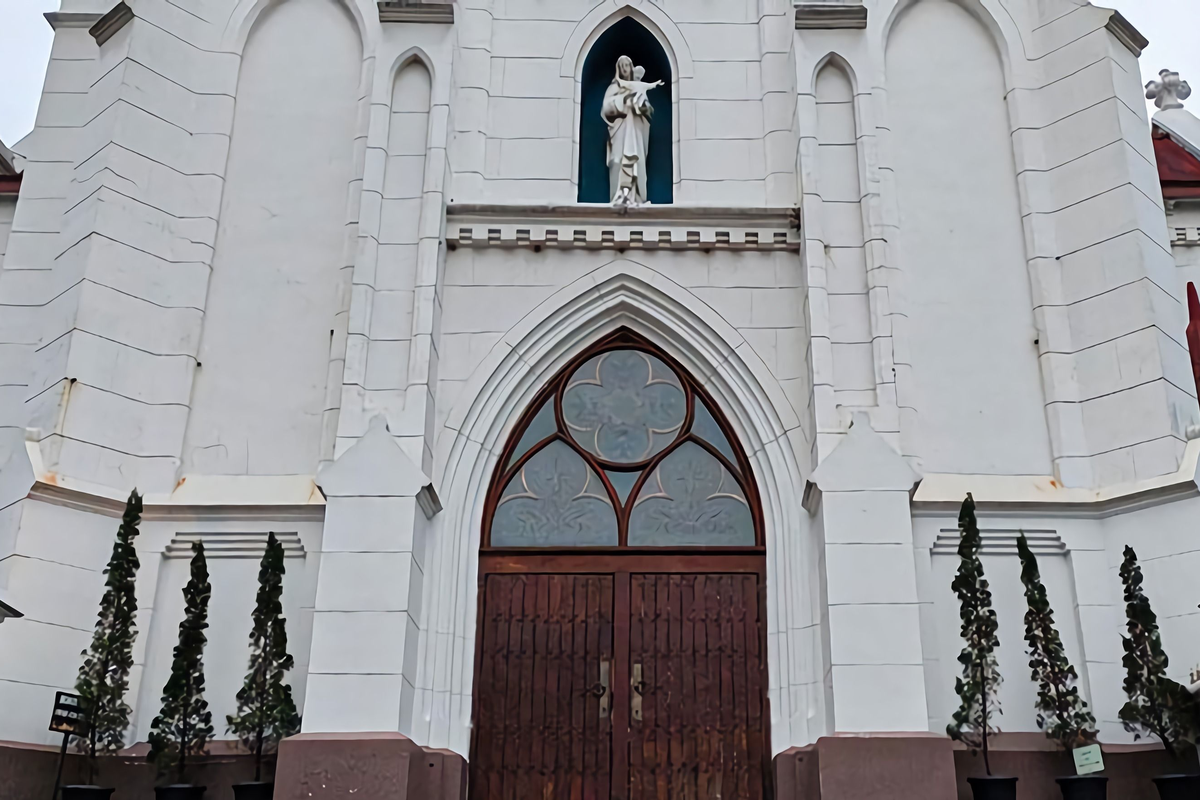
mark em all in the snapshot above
pixel 366 766
pixel 901 767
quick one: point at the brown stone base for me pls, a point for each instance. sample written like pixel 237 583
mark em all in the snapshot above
pixel 930 767
pixel 366 766
pixel 901 767
pixel 27 771
pixel 1037 762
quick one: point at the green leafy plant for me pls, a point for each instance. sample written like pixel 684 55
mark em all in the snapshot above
pixel 266 713
pixel 980 682
pixel 1157 704
pixel 104 676
pixel 1062 712
pixel 184 725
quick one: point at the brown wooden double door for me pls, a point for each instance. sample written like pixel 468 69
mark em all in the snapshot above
pixel 624 685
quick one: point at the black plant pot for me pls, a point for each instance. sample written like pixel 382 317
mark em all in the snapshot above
pixel 256 790
pixel 1178 787
pixel 1083 787
pixel 179 791
pixel 991 787
pixel 86 793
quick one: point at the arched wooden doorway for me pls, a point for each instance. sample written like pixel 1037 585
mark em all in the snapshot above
pixel 621 650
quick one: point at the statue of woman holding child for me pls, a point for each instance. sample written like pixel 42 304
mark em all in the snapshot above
pixel 627 111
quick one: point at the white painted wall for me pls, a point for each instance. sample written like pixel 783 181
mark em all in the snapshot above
pixel 1018 694
pixel 841 190
pixel 8 206
pixel 972 337
pixel 259 395
pixel 54 569
pixel 234 583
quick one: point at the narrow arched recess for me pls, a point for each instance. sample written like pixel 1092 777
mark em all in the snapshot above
pixel 630 38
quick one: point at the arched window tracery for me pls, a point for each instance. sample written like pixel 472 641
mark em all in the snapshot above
pixel 622 449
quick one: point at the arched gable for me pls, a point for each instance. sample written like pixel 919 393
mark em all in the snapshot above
pixel 246 13
pixel 607 14
pixel 621 294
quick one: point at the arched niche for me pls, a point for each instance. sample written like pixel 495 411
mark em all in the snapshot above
pixel 626 37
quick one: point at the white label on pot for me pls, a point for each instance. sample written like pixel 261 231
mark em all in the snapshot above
pixel 1088 759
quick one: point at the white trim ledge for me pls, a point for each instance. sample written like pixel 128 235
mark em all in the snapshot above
pixel 71 19
pixel 602 227
pixel 1042 494
pixel 208 496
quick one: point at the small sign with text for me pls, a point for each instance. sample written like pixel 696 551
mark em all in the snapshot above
pixel 1088 759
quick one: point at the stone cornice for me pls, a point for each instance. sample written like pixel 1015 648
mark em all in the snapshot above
pixel 602 227
pixel 817 16
pixel 420 11
pixel 110 507
pixel 111 22
pixel 1128 35
pixel 1043 496
pixel 227 544
pixel 71 19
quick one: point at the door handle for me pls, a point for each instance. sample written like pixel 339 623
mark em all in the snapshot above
pixel 635 697
pixel 606 695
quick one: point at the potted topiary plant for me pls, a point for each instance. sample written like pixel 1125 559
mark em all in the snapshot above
pixel 104 676
pixel 1157 705
pixel 980 681
pixel 184 725
pixel 1062 712
pixel 266 713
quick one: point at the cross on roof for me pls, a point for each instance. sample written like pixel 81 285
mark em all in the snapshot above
pixel 1168 91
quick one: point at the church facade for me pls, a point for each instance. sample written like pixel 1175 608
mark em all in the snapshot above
pixel 630 358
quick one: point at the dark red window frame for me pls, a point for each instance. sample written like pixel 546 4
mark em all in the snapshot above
pixel 623 339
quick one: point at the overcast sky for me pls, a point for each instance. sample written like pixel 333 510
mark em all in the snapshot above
pixel 1172 26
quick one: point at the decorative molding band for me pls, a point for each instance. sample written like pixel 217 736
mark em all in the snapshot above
pixel 1042 496
pixel 1001 541
pixel 111 22
pixel 420 11
pixel 1126 34
pixel 590 227
pixel 1185 236
pixel 822 16
pixel 225 544
pixel 92 503
pixel 71 19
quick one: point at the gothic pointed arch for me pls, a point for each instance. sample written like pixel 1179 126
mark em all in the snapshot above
pixel 622 448
pixel 626 37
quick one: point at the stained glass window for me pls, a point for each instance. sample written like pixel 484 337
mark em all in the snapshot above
pixel 623 449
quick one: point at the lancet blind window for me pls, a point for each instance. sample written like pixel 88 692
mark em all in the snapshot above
pixel 622 449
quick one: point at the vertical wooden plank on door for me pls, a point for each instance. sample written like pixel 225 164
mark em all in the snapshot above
pixel 661 690
pixel 512 688
pixel 737 621
pixel 704 692
pixel 620 722
pixel 636 759
pixel 757 719
pixel 538 776
pixel 605 654
pixel 591 670
pixel 526 730
pixel 687 669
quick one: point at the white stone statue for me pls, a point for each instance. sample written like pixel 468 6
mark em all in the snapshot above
pixel 1168 91
pixel 627 112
